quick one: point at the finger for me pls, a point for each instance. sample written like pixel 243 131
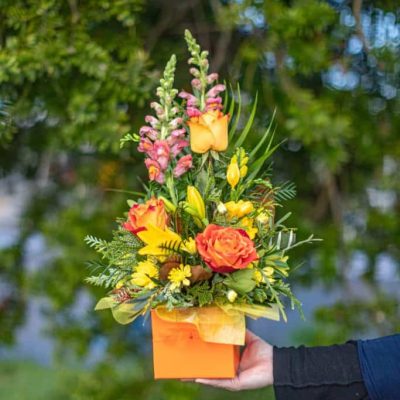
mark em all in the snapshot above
pixel 250 336
pixel 218 383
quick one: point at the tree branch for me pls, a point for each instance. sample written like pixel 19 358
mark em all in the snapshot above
pixel 357 7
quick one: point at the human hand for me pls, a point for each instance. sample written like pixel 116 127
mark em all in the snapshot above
pixel 255 368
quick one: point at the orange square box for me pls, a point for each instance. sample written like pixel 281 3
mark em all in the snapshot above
pixel 179 352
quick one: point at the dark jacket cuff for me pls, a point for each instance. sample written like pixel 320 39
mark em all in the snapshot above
pixel 330 372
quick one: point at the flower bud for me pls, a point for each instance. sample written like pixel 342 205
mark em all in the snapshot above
pixel 119 284
pixel 262 218
pixel 233 174
pixel 168 204
pixel 243 171
pixel 221 208
pixel 195 72
pixel 231 295
pixel 195 200
pixel 196 83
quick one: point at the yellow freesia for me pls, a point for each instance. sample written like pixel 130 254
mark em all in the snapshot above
pixel 233 174
pixel 266 272
pixel 144 272
pixel 247 225
pixel 239 209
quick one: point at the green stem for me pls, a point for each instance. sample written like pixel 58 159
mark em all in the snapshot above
pixel 171 190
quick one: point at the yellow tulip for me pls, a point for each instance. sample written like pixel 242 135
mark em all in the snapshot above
pixel 209 132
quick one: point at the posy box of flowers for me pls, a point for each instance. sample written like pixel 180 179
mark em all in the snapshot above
pixel 201 249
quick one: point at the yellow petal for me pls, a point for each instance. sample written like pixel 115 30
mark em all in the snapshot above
pixel 233 175
pixel 208 117
pixel 201 138
pixel 154 237
pixel 219 129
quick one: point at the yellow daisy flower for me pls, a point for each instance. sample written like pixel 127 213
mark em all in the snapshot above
pixel 179 276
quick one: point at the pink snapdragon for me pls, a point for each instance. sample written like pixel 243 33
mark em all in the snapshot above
pixel 145 145
pixel 212 99
pixel 175 123
pixel 155 172
pixel 178 133
pixel 215 90
pixel 178 146
pixel 153 121
pixel 212 78
pixel 160 153
pixel 148 131
pixel 163 152
pixel 183 165
pixel 164 139
pixel 193 112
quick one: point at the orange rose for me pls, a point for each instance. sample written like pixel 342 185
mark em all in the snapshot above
pixel 225 249
pixel 209 131
pixel 141 215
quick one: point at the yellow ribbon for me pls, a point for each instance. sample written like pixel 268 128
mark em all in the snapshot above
pixel 219 324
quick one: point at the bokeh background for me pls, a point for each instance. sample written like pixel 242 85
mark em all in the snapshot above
pixel 76 75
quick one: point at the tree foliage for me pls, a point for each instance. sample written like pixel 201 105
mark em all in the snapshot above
pixel 74 79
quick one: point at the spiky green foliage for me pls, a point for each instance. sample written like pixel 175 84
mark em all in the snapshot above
pixel 6 126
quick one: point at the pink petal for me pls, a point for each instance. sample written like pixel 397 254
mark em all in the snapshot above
pixel 213 92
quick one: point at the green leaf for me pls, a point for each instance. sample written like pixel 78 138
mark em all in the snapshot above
pixel 241 281
pixel 226 99
pixel 105 302
pixel 249 124
pixel 128 311
pixel 264 137
pixel 257 165
pixel 238 112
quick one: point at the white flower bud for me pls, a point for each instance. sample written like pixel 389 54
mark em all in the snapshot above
pixel 221 208
pixel 231 295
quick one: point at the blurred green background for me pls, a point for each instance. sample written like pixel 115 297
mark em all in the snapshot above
pixel 76 75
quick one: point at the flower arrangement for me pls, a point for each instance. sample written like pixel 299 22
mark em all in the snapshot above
pixel 204 234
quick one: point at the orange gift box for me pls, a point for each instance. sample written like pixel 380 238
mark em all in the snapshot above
pixel 179 352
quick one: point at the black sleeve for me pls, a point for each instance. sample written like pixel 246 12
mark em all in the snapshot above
pixel 318 373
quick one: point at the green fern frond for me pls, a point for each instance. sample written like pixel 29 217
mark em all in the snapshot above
pixel 172 247
pixel 95 243
pixel 285 192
